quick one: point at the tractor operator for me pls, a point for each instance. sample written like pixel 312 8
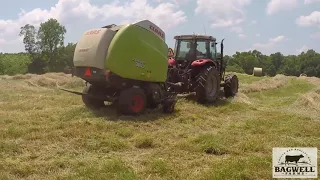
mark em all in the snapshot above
pixel 192 50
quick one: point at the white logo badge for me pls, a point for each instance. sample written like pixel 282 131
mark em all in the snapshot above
pixel 294 162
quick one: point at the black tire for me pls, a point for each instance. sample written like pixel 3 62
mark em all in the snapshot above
pixel 168 106
pixel 152 105
pixel 208 85
pixel 132 101
pixel 149 89
pixel 231 85
pixel 89 100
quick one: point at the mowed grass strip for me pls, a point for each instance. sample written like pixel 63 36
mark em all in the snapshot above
pixel 283 96
pixel 48 134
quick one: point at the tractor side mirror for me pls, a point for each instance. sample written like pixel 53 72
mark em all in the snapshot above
pixel 170 53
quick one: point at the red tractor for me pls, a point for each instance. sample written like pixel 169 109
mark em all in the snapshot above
pixel 195 66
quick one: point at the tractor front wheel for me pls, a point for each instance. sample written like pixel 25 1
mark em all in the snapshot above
pixel 208 85
pixel 168 105
pixel 132 101
pixel 89 99
pixel 231 85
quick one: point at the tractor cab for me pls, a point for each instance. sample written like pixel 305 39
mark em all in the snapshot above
pixel 190 48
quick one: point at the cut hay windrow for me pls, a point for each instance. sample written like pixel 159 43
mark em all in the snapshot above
pixel 310 100
pixel 241 98
pixel 47 80
pixel 313 80
pixel 266 84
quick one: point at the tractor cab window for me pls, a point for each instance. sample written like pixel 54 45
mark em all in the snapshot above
pixel 201 49
pixel 182 49
pixel 213 49
pixel 194 49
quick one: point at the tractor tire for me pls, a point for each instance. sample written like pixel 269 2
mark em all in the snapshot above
pixel 132 101
pixel 149 89
pixel 168 106
pixel 90 101
pixel 208 85
pixel 231 85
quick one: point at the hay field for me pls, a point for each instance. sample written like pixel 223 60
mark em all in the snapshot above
pixel 49 134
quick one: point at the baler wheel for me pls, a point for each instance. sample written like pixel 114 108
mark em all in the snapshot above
pixel 132 101
pixel 208 85
pixel 231 85
pixel 89 100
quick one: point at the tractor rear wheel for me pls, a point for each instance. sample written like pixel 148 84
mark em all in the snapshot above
pixel 208 85
pixel 132 101
pixel 88 97
pixel 231 85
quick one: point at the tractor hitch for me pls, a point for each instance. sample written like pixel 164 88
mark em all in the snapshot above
pixel 105 98
pixel 73 92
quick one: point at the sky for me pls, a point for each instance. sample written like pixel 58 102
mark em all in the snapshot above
pixel 286 26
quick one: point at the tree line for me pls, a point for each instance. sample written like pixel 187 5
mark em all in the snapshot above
pixel 45 51
pixel 292 65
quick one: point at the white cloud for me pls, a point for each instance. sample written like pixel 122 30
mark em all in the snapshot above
pixel 312 19
pixel 311 1
pixel 223 13
pixel 271 42
pixel 315 35
pixel 276 39
pixel 304 48
pixel 236 29
pixel 70 12
pixel 178 2
pixel 242 36
pixel 275 6
pixel 258 35
pixel 253 22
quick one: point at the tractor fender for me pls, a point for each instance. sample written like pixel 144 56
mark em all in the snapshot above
pixel 202 62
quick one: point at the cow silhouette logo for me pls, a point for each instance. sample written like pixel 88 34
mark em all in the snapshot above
pixel 294 159
pixel 295 163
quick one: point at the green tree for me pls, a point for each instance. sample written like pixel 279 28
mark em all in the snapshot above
pixel 32 46
pixel 277 59
pixel 66 56
pixel 246 60
pixel 51 38
pixel 291 66
pixel 30 40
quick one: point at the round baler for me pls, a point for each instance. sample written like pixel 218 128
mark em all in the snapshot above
pixel 126 65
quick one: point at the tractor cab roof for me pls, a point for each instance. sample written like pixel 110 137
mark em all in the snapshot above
pixel 195 36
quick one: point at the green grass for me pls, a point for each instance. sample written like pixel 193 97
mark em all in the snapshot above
pixel 283 96
pixel 49 134
pixel 247 79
